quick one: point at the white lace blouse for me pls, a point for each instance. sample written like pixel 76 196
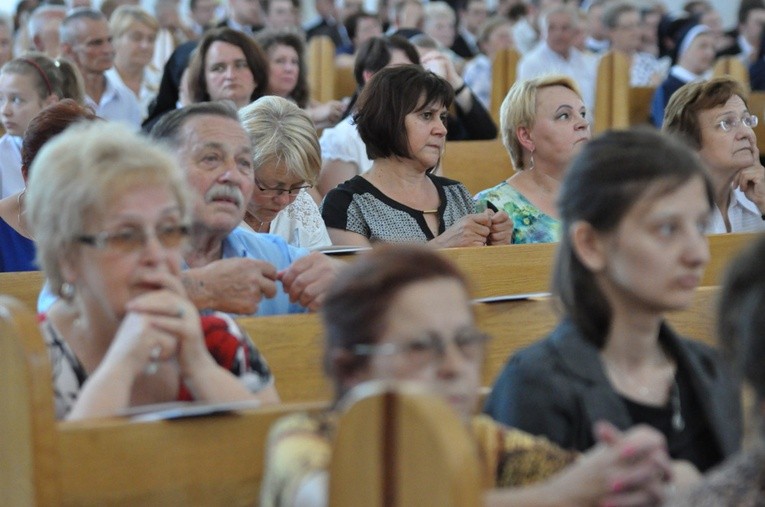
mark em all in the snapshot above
pixel 300 224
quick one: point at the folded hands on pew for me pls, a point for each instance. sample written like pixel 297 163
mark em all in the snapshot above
pixel 159 337
pixel 478 229
pixel 630 468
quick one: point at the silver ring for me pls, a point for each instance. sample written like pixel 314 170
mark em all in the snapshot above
pixel 153 365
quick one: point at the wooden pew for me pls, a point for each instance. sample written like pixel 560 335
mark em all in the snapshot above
pixel 215 460
pixel 617 104
pixel 503 73
pixel 732 66
pixel 476 164
pixel 24 286
pixel 397 447
pixel 320 63
pixel 293 344
pixel 517 269
pixel 494 271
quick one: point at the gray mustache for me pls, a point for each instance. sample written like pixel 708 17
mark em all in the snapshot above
pixel 225 192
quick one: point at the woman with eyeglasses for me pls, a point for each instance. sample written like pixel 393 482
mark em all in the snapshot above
pixel 713 118
pixel 403 312
pixel 110 215
pixel 287 160
pixel 634 206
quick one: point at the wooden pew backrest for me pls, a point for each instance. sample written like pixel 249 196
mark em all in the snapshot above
pixel 29 451
pixel 216 460
pixel 24 286
pixel 617 104
pixel 395 447
pixel 503 74
pixel 476 164
pixel 321 68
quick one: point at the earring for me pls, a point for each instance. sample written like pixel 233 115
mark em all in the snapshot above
pixel 67 291
pixel 531 161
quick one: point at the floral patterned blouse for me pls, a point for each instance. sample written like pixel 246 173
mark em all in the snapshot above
pixel 227 343
pixel 530 224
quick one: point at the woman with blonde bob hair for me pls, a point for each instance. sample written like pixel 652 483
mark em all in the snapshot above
pixel 544 124
pixel 287 160
pixel 110 212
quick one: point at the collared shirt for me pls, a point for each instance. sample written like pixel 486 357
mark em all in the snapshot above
pixel 746 48
pixel 524 36
pixel 248 29
pixel 581 67
pixel 470 40
pixel 272 249
pixel 149 86
pixel 11 181
pixel 743 214
pixel 477 76
pixel 597 46
pixel 117 103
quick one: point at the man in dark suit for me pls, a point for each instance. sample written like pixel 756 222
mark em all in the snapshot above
pixel 471 15
pixel 244 15
pixel 326 23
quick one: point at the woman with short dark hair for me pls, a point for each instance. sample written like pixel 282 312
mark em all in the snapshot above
pixel 401 117
pixel 713 117
pixel 633 206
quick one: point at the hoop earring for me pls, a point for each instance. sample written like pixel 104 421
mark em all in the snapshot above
pixel 67 291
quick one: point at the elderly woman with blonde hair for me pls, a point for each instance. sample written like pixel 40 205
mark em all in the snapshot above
pixel 544 124
pixel 110 213
pixel 287 160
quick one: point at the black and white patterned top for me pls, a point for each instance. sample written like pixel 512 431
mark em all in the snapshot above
pixel 358 206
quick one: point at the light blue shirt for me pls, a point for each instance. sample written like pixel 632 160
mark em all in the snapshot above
pixel 272 249
pixel 241 243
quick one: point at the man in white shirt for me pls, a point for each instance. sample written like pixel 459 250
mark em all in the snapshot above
pixel 85 40
pixel 43 28
pixel 557 54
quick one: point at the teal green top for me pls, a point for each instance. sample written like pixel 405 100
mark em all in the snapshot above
pixel 530 224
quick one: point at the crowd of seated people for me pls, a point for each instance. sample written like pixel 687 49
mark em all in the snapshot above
pixel 153 243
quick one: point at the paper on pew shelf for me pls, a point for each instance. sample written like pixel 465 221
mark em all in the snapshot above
pixel 512 297
pixel 185 409
pixel 342 249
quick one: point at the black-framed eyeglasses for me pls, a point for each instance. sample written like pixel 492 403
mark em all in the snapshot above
pixel 277 192
pixel 731 123
pixel 130 239
pixel 430 347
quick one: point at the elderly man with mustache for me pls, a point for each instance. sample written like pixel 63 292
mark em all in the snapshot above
pixel 232 269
